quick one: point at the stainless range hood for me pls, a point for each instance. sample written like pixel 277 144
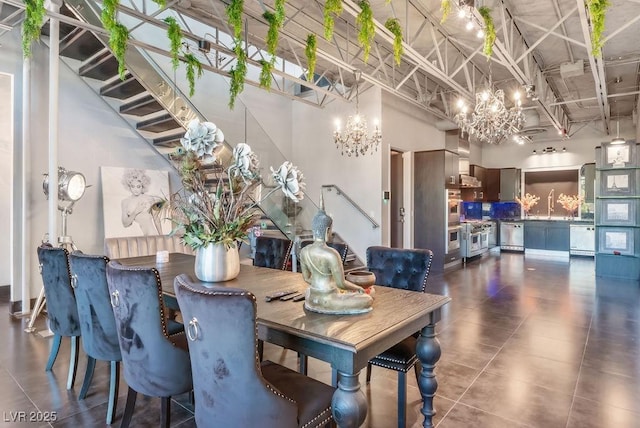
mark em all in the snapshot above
pixel 460 145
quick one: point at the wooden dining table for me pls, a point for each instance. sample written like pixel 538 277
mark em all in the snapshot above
pixel 347 342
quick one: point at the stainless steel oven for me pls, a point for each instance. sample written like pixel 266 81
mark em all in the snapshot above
pixel 453 238
pixel 453 206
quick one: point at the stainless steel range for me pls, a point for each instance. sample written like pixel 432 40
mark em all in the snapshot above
pixel 475 238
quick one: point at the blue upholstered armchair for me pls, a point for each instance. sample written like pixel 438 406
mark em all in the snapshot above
pixel 231 387
pixel 272 252
pixel 407 269
pixel 154 351
pixel 61 304
pixel 97 324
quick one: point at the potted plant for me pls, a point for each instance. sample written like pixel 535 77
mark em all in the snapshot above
pixel 212 219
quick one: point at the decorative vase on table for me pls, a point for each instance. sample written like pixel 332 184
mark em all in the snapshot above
pixel 216 206
pixel 216 262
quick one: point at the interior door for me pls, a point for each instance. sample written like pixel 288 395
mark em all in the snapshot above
pixel 397 208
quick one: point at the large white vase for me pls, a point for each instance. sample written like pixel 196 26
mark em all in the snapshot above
pixel 217 263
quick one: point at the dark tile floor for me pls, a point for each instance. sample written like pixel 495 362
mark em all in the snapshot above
pixel 526 341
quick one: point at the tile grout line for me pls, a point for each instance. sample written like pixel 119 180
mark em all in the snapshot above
pixel 575 389
pixel 457 401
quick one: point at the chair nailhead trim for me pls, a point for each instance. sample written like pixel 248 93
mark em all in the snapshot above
pixel 406 369
pixel 323 422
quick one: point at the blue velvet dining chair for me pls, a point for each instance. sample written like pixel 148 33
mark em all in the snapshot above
pixel 272 252
pixel 232 388
pixel 407 269
pixel 61 304
pixel 97 324
pixel 154 349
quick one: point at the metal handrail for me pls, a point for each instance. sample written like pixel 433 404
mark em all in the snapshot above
pixel 339 191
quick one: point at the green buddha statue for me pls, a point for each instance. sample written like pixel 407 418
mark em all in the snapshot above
pixel 321 265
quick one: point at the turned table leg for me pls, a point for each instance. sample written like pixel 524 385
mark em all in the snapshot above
pixel 349 405
pixel 428 352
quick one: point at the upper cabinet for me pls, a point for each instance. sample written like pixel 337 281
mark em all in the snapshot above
pixel 509 184
pixel 451 170
pixel 491 184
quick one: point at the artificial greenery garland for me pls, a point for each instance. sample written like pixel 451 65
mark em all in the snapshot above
pixel 445 7
pixel 193 66
pixel 597 12
pixel 489 31
pixel 393 25
pixel 108 16
pixel 174 33
pixel 366 28
pixel 238 73
pixel 310 53
pixel 34 17
pixel 332 9
pixel 266 67
pixel 161 3
pixel 234 13
pixel 118 38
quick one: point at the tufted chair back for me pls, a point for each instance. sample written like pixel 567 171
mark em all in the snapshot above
pixel 61 302
pixel 340 247
pixel 98 326
pixel 231 386
pixel 134 246
pixel 403 268
pixel 272 252
pixel 154 364
pixel 99 335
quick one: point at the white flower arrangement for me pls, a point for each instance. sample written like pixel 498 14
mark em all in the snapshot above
pixel 223 213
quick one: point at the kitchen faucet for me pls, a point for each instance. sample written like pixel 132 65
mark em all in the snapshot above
pixel 550 199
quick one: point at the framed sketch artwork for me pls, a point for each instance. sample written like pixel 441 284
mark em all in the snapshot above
pixel 617 182
pixel 129 196
pixel 616 240
pixel 621 212
pixel 618 155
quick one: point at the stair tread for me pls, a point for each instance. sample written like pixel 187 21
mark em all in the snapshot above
pixel 80 44
pixel 101 67
pixel 162 123
pixel 122 89
pixel 142 106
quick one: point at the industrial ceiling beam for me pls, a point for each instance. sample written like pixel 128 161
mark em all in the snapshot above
pixel 597 69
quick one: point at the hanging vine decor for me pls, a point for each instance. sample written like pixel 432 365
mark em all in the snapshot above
pixel 366 28
pixel 238 73
pixel 34 17
pixel 393 25
pixel 118 33
pixel 445 7
pixel 174 33
pixel 234 12
pixel 193 67
pixel 161 3
pixel 332 9
pixel 310 53
pixel 266 67
pixel 597 12
pixel 489 31
pixel 118 38
pixel 272 33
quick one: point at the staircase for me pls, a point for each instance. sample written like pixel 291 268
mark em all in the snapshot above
pixel 159 112
pixel 147 100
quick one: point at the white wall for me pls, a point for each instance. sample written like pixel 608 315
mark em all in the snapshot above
pixel 315 153
pixel 91 135
pixel 406 129
pixel 580 149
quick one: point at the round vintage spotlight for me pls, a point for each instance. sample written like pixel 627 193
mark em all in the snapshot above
pixel 71 185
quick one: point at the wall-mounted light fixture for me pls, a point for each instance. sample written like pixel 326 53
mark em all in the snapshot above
pixel 548 150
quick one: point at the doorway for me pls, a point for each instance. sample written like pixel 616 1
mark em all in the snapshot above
pixel 397 196
pixel 6 175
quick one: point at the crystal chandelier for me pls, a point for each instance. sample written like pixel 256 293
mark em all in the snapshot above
pixel 354 139
pixel 491 121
